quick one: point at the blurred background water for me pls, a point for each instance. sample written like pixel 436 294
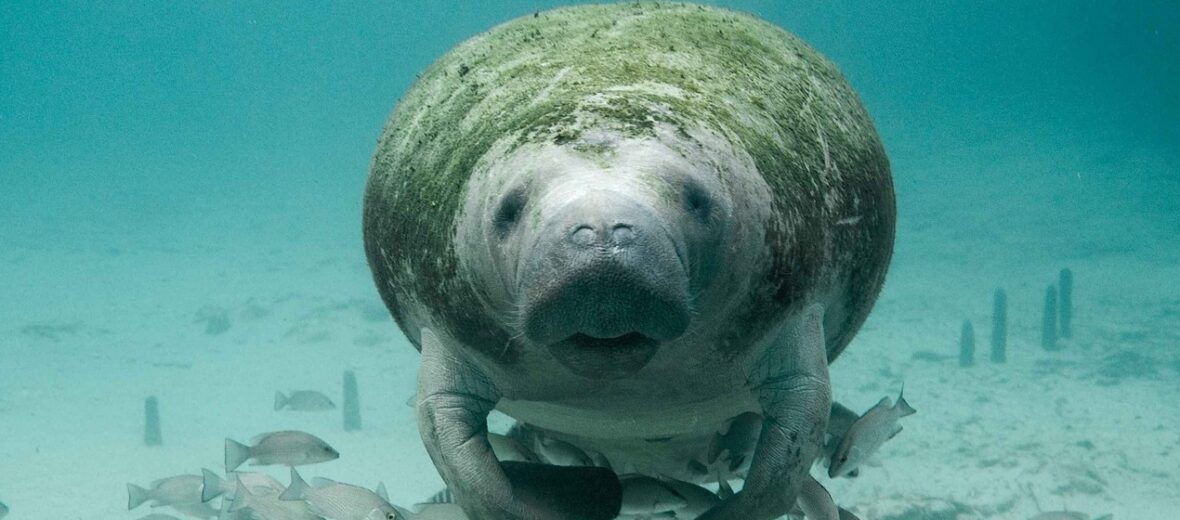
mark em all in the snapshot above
pixel 165 165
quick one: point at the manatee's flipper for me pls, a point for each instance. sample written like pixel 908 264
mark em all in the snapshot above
pixel 454 400
pixel 792 386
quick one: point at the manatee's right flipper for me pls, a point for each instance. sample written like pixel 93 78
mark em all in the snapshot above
pixel 454 400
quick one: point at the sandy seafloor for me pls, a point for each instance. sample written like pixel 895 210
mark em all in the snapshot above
pixel 109 312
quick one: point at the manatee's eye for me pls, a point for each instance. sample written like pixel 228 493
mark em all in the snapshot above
pixel 509 211
pixel 696 200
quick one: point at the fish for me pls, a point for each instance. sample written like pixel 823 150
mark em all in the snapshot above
pixel 1068 515
pixel 338 501
pixel 840 420
pixel 847 515
pixel 816 502
pixel 561 453
pixel 739 438
pixel 724 490
pixel 181 489
pixel 266 506
pixel 258 483
pixel 195 510
pixel 507 448
pixel 869 432
pixel 697 499
pixel 442 497
pixel 438 512
pixel 3 510
pixel 643 495
pixel 290 448
pixel 303 401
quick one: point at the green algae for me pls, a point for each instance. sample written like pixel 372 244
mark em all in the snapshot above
pixel 625 68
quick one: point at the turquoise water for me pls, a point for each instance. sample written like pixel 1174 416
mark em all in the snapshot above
pixel 180 197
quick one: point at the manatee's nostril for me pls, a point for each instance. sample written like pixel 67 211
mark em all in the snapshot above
pixel 583 235
pixel 622 234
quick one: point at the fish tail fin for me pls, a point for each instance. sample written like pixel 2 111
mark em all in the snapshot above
pixel 136 496
pixel 210 485
pixel 235 454
pixel 280 401
pixel 297 489
pixel 903 406
pixel 724 491
pixel 242 496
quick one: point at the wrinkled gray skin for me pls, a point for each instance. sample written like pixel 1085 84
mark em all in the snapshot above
pixel 626 225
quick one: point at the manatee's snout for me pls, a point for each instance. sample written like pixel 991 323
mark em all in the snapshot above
pixel 603 285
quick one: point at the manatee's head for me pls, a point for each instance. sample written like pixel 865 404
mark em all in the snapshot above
pixel 596 250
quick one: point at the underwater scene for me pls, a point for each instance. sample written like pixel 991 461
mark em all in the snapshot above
pixel 449 260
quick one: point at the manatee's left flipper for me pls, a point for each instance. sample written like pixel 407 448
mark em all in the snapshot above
pixel 792 386
pixel 454 400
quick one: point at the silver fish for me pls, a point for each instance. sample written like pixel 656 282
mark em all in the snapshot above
pixel 643 495
pixel 561 453
pixel 442 497
pixel 438 512
pixel 738 440
pixel 258 483
pixel 868 433
pixel 265 506
pixel 847 515
pixel 195 510
pixel 181 489
pixel 339 501
pixel 291 448
pixel 840 421
pixel 816 502
pixel 303 401
pixel 1068 515
pixel 507 448
pixel 697 499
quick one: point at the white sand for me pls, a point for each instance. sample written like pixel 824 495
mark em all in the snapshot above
pixel 87 332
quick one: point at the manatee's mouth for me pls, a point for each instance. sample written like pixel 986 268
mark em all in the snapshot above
pixel 605 358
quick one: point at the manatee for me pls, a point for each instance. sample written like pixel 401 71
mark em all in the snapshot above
pixel 625 226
